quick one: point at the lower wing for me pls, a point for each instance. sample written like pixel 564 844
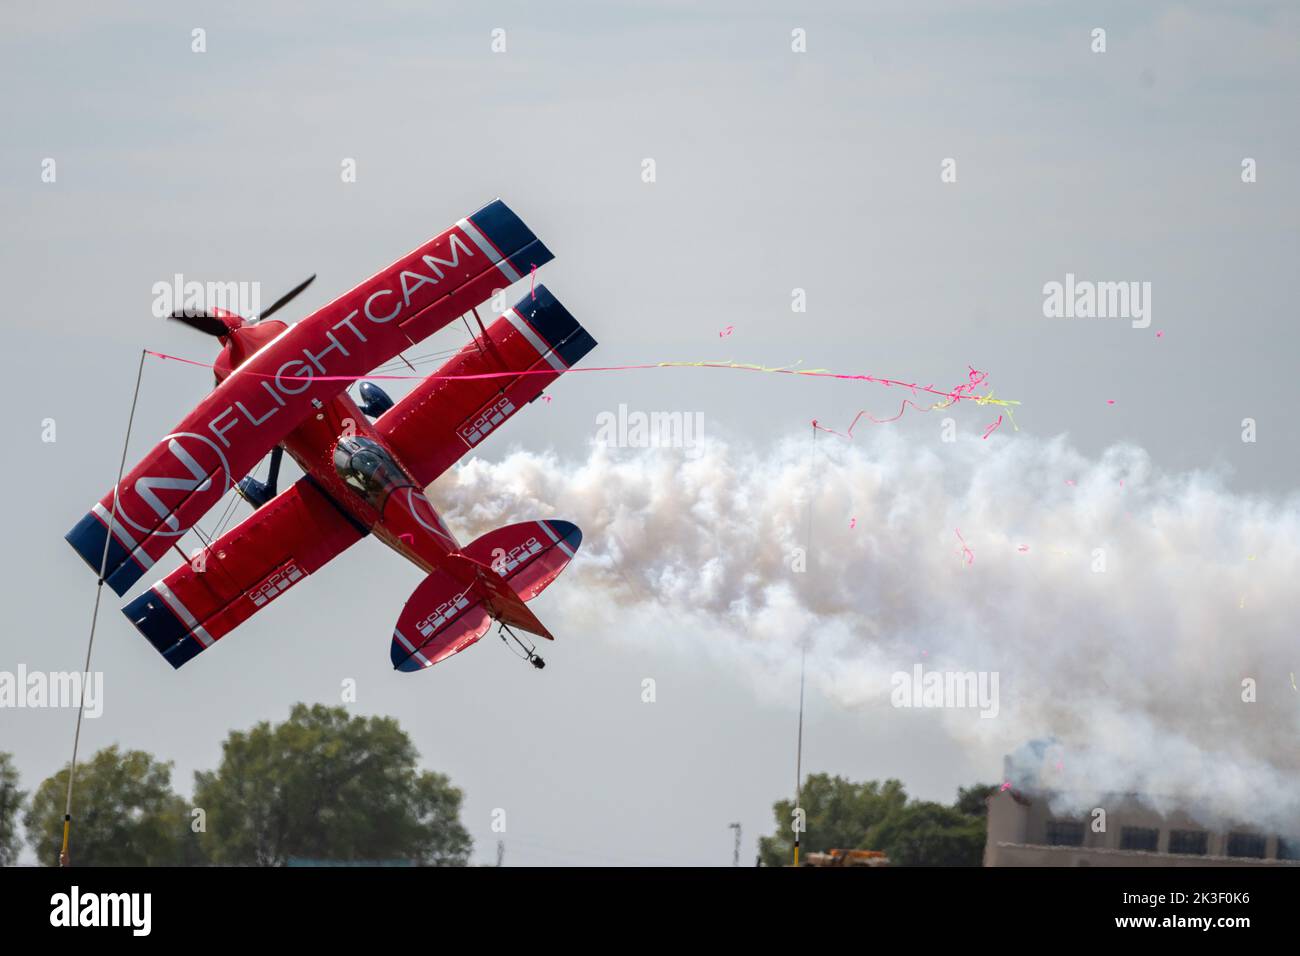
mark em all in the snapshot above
pixel 243 571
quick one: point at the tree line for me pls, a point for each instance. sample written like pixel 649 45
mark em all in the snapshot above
pixel 321 786
pixel 843 815
pixel 327 786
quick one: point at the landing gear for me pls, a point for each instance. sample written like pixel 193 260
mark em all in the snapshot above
pixel 258 493
pixel 530 651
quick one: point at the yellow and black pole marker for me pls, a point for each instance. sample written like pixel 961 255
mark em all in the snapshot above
pixel 798 764
pixel 94 617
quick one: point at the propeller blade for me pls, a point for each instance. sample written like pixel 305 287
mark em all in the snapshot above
pixel 287 297
pixel 203 322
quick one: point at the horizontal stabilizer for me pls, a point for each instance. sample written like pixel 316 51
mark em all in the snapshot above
pixel 529 555
pixel 442 617
pixel 488 580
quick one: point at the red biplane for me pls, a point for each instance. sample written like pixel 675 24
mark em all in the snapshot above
pixel 282 387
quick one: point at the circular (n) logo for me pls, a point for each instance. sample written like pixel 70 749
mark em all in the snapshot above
pixel 193 468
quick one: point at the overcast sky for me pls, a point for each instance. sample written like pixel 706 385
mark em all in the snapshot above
pixel 775 170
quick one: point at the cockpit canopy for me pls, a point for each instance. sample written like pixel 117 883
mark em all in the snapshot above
pixel 367 467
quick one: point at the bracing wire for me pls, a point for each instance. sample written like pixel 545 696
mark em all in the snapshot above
pixel 94 616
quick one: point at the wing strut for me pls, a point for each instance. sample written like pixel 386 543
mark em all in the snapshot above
pixel 258 493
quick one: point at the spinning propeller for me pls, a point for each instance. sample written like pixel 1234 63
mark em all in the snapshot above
pixel 220 322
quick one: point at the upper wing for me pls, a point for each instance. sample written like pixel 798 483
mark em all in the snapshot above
pixel 443 418
pixel 245 569
pixel 256 406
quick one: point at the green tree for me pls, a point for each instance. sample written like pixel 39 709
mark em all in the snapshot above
pixel 11 801
pixel 328 786
pixel 842 814
pixel 972 800
pixel 839 814
pixel 124 814
pixel 929 834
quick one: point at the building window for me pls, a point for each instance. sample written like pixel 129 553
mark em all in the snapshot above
pixel 1138 838
pixel 1288 848
pixel 1191 842
pixel 1246 844
pixel 1064 833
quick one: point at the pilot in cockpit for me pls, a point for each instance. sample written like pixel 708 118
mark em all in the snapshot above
pixel 367 467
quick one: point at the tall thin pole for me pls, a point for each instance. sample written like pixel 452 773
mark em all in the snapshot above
pixel 803 663
pixel 94 617
pixel 735 852
pixel 798 760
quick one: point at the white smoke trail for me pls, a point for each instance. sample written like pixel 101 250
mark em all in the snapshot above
pixel 1121 607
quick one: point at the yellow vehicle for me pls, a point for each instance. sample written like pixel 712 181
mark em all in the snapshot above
pixel 847 858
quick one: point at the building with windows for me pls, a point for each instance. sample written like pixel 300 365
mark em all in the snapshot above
pixel 1023 831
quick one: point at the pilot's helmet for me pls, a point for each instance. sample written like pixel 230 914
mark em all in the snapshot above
pixel 343 453
pixel 365 462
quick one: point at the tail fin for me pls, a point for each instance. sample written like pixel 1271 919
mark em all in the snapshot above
pixel 501 602
pixel 490 579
